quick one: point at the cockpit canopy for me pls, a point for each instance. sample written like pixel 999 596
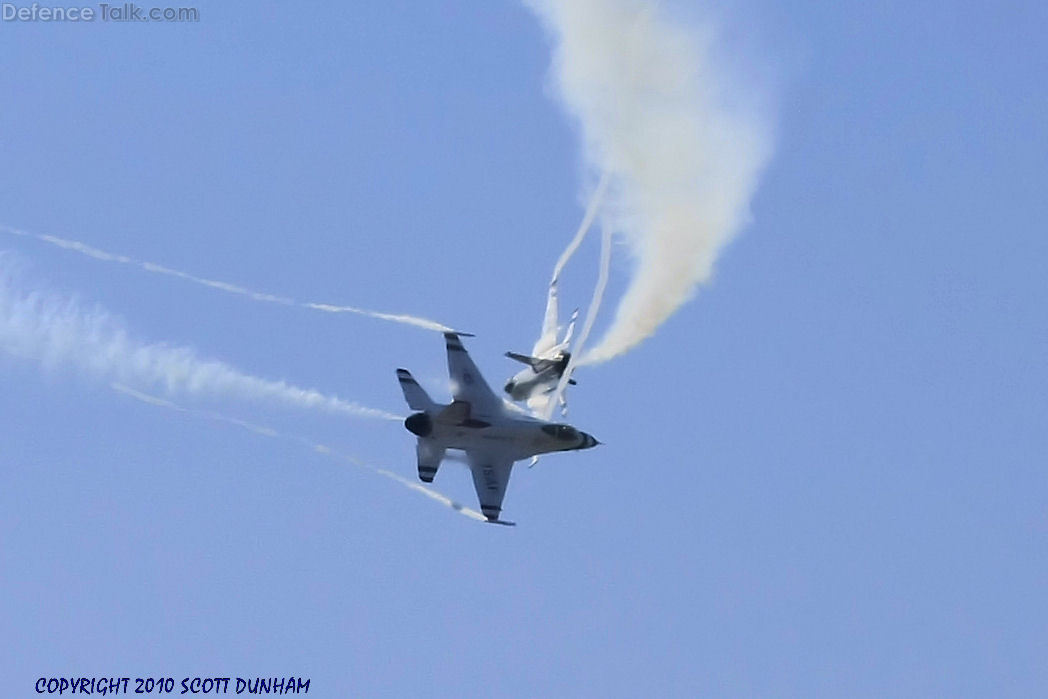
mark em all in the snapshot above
pixel 564 433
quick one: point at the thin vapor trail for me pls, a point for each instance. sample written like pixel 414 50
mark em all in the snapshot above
pixel 681 139
pixel 584 226
pixel 56 332
pixel 318 448
pixel 153 268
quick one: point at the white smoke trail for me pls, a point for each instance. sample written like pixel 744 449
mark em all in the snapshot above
pixel 395 317
pixel 661 115
pixel 154 268
pixel 319 448
pixel 57 332
pixel 584 226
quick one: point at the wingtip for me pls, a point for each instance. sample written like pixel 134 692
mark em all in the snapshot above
pixel 454 342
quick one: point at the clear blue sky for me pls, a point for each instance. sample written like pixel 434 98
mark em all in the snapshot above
pixel 825 475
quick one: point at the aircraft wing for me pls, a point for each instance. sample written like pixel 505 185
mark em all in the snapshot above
pixel 490 478
pixel 467 383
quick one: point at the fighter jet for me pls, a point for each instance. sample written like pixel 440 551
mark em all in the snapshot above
pixel 548 361
pixel 479 423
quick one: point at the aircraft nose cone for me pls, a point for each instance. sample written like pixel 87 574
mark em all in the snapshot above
pixel 588 441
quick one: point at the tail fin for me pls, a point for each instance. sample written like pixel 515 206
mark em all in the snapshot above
pixel 414 394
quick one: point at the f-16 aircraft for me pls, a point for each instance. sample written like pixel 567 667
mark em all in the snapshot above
pixel 548 361
pixel 478 422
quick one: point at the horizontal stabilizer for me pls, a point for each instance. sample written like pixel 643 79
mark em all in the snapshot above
pixel 502 522
pixel 524 359
pixel 414 394
pixel 429 457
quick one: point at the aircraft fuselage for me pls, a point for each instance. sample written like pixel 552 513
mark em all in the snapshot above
pixel 529 382
pixel 517 438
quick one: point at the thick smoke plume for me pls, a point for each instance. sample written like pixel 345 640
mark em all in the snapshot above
pixel 56 332
pixel 680 142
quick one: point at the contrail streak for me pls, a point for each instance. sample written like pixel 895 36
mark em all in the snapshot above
pixel 154 268
pixel 56 332
pixel 584 226
pixel 678 136
pixel 318 448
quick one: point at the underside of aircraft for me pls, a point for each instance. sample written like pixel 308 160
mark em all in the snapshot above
pixel 478 423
